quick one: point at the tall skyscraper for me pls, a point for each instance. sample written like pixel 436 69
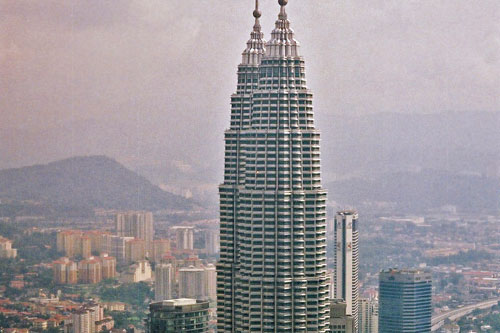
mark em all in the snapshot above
pixel 136 224
pixel 271 276
pixel 405 298
pixel 178 315
pixel 347 262
pixel 164 281
pixel 368 315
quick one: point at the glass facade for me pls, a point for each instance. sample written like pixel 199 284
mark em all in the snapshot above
pixel 168 317
pixel 405 298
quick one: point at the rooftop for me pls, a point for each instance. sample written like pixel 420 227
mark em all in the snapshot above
pixel 179 302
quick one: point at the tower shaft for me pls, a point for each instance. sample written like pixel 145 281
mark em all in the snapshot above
pixel 272 270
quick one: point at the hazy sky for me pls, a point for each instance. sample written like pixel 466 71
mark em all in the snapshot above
pixel 166 68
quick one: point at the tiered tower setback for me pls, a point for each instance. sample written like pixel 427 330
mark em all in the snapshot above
pixel 272 271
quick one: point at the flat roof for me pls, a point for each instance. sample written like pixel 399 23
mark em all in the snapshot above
pixel 179 302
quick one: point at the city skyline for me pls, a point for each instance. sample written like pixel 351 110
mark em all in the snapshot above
pixel 389 109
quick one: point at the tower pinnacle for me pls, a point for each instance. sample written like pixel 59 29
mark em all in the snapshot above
pixel 256 45
pixel 257 13
pixel 282 43
pixel 283 3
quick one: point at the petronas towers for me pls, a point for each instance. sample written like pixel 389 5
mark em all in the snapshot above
pixel 272 269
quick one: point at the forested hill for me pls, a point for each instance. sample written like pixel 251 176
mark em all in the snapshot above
pixel 86 183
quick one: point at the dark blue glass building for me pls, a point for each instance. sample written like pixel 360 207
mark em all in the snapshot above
pixel 405 301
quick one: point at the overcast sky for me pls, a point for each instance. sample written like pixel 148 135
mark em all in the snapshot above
pixel 166 68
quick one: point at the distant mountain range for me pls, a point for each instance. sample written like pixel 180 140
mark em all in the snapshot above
pixel 418 192
pixel 350 145
pixel 418 160
pixel 86 183
pixel 459 142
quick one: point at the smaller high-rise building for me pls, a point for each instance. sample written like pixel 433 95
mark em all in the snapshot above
pixel 87 271
pixel 65 271
pixel 90 271
pixel 184 237
pixel 368 315
pixel 340 321
pixel 139 225
pixel 346 259
pixel 192 283
pixel 178 315
pixel 6 250
pixel 108 267
pixel 81 243
pixel 140 271
pixel 135 250
pixel 161 247
pixel 211 282
pixel 405 301
pixel 66 241
pixel 212 246
pixel 194 261
pixel 115 246
pixel 170 259
pixel 74 243
pixel 85 247
pixel 164 281
pixel 96 240
pixel 87 319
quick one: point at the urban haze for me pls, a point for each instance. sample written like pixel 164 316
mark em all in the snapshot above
pixel 141 156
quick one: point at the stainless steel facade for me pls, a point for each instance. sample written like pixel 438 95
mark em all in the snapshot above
pixel 271 276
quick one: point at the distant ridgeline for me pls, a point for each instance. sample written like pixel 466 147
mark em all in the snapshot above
pixel 417 192
pixel 77 186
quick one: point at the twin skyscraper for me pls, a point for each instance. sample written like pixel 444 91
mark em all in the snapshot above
pixel 272 274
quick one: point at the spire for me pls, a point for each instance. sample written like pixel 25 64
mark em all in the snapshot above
pixel 283 3
pixel 257 13
pixel 282 43
pixel 256 45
